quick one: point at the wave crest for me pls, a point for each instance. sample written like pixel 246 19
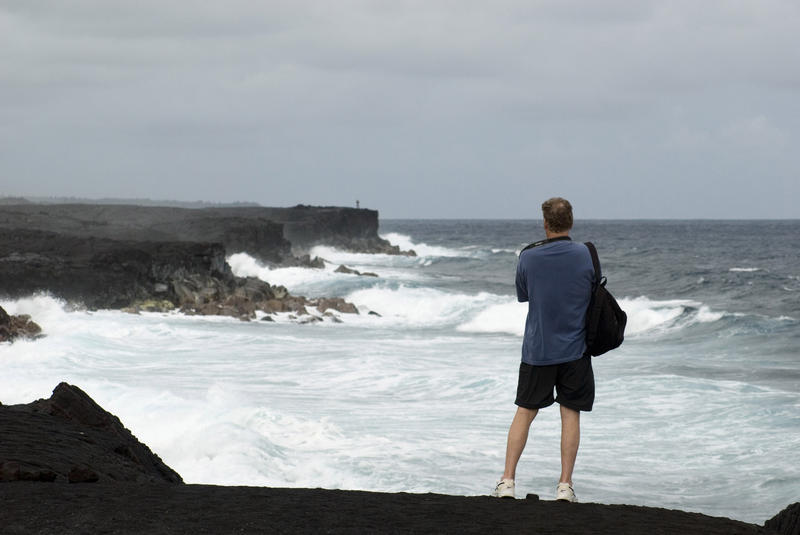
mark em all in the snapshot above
pixel 646 315
pixel 420 306
pixel 423 249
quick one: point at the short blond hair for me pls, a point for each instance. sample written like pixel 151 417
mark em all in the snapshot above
pixel 557 214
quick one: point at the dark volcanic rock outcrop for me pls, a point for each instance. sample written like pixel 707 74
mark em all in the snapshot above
pixel 153 276
pixel 123 508
pixel 352 229
pixel 344 269
pixel 160 258
pixel 259 237
pixel 71 438
pixel 104 273
pixel 272 235
pixel 17 326
pixel 787 522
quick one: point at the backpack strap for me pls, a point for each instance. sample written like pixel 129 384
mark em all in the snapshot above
pixel 542 242
pixel 598 273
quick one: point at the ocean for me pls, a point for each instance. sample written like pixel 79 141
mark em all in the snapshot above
pixel 698 410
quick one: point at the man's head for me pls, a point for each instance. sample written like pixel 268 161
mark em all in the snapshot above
pixel 557 214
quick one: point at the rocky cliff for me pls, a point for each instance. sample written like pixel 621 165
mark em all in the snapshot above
pixel 352 229
pixel 105 273
pixel 140 275
pixel 259 237
pixel 273 235
pixel 158 258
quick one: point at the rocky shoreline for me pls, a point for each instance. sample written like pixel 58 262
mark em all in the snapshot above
pixel 100 273
pixel 68 466
pixel 17 326
pixel 145 258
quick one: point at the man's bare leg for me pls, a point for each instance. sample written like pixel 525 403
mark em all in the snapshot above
pixel 517 438
pixel 570 439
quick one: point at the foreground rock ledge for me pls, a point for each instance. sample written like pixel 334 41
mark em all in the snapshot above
pixel 154 509
pixel 70 438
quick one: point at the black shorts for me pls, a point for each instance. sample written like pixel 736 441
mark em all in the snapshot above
pixel 573 381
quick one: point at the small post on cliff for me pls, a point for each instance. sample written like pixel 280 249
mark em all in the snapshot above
pixel 358 205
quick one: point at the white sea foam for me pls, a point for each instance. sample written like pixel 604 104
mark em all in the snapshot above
pixel 326 281
pixel 744 269
pixel 653 316
pixel 223 437
pixel 244 265
pixel 227 402
pixel 423 249
pixel 421 398
pixel 706 315
pixel 646 315
pixel 507 317
pixel 419 306
pixel 45 310
pixel 337 256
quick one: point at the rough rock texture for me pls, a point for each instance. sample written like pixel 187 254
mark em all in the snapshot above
pixel 104 273
pixel 123 508
pixel 264 233
pixel 17 326
pixel 261 238
pixel 353 229
pixel 70 438
pixel 336 303
pixel 344 269
pixel 158 258
pixel 787 522
pixel 304 260
pixel 136 276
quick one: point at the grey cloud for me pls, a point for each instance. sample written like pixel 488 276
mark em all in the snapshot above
pixel 401 100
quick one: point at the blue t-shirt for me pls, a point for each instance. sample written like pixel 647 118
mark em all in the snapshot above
pixel 556 280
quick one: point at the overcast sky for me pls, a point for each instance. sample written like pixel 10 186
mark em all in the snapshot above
pixel 429 108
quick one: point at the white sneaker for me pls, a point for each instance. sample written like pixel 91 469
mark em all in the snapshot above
pixel 504 489
pixel 565 493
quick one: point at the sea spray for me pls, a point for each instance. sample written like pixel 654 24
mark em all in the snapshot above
pixel 704 393
pixel 423 249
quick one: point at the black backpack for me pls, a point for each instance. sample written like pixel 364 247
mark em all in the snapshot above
pixel 605 320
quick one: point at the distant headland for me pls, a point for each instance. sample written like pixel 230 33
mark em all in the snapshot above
pixel 162 257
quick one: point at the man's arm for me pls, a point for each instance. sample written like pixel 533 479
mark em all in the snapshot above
pixel 522 283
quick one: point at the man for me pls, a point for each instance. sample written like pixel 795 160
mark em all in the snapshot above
pixel 555 277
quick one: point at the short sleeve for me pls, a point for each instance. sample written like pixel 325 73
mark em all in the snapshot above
pixel 522 283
